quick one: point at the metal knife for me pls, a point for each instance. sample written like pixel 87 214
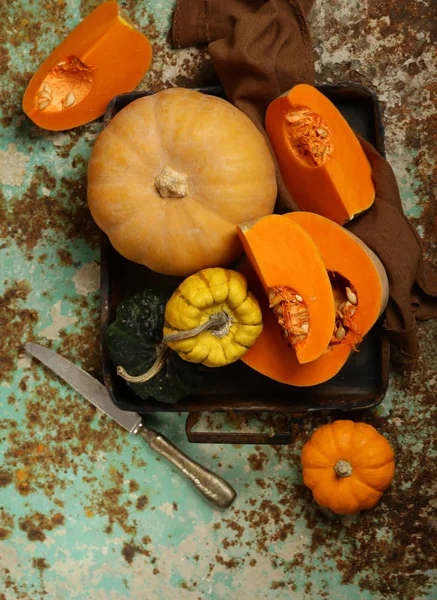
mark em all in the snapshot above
pixel 215 489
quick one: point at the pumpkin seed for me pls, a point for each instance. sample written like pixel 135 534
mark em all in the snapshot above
pixel 47 88
pixel 322 132
pixel 277 298
pixel 305 327
pixel 299 298
pixel 340 333
pixel 279 311
pixel 293 118
pixel 43 105
pixel 45 95
pixel 69 100
pixel 351 296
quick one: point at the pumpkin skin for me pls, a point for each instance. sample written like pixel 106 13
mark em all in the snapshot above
pixel 173 174
pixel 347 466
pixel 132 341
pixel 210 292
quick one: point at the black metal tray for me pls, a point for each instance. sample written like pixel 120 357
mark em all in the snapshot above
pixel 361 383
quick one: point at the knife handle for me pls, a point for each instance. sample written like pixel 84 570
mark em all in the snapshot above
pixel 215 489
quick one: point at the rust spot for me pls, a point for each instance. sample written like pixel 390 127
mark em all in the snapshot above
pixel 34 524
pixel 23 384
pixel 229 564
pixel 5 478
pixel 257 461
pixel 133 486
pixel 155 571
pixel 40 563
pixel 16 324
pixel 4 533
pixel 65 257
pixel 130 550
pixel 142 502
pixel 66 211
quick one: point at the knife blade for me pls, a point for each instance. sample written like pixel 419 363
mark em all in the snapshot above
pixel 213 487
pixel 84 383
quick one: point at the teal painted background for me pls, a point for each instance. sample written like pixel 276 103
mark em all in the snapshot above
pixel 88 511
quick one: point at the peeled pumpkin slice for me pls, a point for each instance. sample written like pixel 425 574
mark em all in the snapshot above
pixel 359 280
pixel 102 57
pixel 270 357
pixel 294 277
pixel 320 158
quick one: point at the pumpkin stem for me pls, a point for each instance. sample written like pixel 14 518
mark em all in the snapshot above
pixel 343 468
pixel 171 183
pixel 162 355
pixel 219 322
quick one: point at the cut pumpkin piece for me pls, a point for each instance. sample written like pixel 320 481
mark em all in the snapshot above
pixel 358 278
pixel 319 156
pixel 102 57
pixel 294 277
pixel 271 358
pixel 360 289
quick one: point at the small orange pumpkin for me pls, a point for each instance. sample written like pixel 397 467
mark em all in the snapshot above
pixel 347 466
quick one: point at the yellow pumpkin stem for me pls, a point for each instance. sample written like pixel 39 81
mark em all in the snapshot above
pixel 343 468
pixel 219 322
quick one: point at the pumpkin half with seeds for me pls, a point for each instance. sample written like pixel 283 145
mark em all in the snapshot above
pixel 356 297
pixel 320 158
pixel 103 56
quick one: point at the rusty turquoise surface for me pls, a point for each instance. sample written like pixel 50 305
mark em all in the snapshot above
pixel 86 510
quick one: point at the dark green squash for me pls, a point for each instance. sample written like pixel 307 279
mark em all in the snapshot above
pixel 133 339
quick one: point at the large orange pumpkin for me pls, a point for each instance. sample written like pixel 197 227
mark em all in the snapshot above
pixel 171 177
pixel 348 466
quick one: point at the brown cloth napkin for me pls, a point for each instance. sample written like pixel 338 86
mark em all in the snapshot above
pixel 262 48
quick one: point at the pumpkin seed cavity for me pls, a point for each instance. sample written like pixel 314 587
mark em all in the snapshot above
pixel 346 303
pixel 66 84
pixel 292 314
pixel 309 136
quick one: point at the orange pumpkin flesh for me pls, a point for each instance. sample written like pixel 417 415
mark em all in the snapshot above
pixel 289 264
pixel 172 175
pixel 347 466
pixel 319 156
pixel 102 57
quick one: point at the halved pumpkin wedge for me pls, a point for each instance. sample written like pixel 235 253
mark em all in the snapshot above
pixel 320 158
pixel 102 57
pixel 271 358
pixel 294 277
pixel 360 289
pixel 358 278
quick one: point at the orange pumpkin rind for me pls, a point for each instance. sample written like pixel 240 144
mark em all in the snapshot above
pixel 347 466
